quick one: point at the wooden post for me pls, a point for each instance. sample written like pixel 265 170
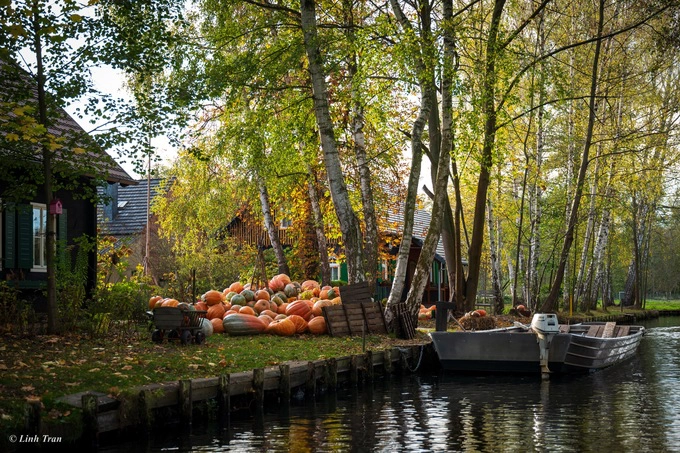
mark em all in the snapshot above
pixel 284 384
pixel 353 370
pixel 368 364
pixel 90 420
pixel 145 415
pixel 332 373
pixel 442 315
pixel 403 362
pixel 387 361
pixel 223 394
pixel 185 404
pixel 310 387
pixel 258 386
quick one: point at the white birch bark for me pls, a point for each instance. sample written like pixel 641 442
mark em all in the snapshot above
pixel 349 223
pixel 270 226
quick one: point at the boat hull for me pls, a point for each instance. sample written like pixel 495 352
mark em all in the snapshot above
pixel 519 352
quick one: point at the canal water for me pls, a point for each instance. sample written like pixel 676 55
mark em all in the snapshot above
pixel 630 407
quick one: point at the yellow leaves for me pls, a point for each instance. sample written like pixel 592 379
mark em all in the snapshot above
pixel 76 18
pixel 78 150
pixel 12 137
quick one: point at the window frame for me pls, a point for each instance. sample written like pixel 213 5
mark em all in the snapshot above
pixel 43 208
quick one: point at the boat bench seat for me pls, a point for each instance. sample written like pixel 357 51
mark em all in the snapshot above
pixel 606 330
pixel 622 331
pixel 595 331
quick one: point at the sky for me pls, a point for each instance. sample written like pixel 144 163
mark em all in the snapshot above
pixel 111 81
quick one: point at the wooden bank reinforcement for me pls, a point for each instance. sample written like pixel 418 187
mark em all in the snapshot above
pixel 136 408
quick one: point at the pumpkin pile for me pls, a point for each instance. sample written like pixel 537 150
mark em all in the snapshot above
pixel 284 308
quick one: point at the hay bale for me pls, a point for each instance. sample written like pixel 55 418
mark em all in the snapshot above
pixel 477 323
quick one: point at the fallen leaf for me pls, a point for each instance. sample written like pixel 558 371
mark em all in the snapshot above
pixel 27 388
pixel 94 369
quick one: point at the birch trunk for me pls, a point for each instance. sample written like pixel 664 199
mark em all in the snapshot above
pixel 399 280
pixel 550 303
pixel 349 223
pixel 535 201
pixel 271 227
pixel 586 252
pixel 498 304
pixel 489 107
pixel 359 141
pixel 321 241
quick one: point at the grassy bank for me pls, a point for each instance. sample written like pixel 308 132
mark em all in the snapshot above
pixel 45 368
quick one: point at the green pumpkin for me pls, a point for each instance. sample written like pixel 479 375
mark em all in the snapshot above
pixel 248 294
pixel 238 299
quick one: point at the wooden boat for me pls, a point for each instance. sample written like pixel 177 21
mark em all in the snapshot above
pixel 544 346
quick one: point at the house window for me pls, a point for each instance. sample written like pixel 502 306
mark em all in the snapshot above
pixel 285 223
pixel 39 235
pixel 335 271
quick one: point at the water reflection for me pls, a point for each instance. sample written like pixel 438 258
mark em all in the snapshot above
pixel 631 407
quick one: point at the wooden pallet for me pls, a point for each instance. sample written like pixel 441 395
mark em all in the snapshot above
pixel 357 314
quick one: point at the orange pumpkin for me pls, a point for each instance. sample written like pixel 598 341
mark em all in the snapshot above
pixel 310 285
pixel 170 303
pixel 270 313
pixel 317 309
pixel 281 327
pixel 317 325
pixel 261 294
pixel 261 305
pixel 212 297
pixel 300 308
pixel 300 323
pixel 280 316
pixel 282 308
pixel 284 278
pixel 266 319
pixel 218 326
pixel 246 310
pixel 153 300
pixel 215 311
pixel 201 306
pixel 276 284
pixel 236 287
pixel 273 306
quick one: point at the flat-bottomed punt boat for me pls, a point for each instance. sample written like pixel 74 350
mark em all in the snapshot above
pixel 545 346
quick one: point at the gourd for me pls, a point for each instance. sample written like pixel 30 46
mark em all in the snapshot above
pixel 317 325
pixel 153 300
pixel 212 297
pixel 300 323
pixel 282 327
pixel 240 324
pixel 215 311
pixel 300 308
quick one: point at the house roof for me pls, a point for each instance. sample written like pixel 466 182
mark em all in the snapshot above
pixel 131 217
pixel 18 87
pixel 421 223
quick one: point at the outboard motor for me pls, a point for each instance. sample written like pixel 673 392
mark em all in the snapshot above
pixel 545 326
